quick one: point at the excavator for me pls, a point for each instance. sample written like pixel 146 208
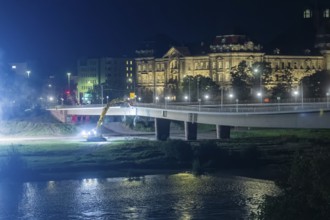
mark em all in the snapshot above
pixel 95 135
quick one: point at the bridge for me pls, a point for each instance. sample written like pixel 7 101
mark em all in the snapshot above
pixel 288 115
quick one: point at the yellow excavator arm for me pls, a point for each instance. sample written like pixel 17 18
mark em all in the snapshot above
pixel 95 134
pixel 104 112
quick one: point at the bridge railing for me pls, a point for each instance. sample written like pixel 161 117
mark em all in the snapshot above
pixel 209 107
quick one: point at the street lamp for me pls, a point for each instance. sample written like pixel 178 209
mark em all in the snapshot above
pixel 68 74
pixel 222 87
pixel 236 105
pixel 295 94
pixel 62 101
pixel 302 94
pixel 157 99
pixel 186 98
pixel 107 99
pixel 166 100
pixel 259 94
pixel 199 104
pixel 278 103
pixel 256 70
pixel 28 73
pixel 188 88
pixel 197 84
pixel 328 94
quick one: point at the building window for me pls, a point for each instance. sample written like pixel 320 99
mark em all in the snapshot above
pixel 307 13
pixel 326 13
pixel 131 62
pixel 227 65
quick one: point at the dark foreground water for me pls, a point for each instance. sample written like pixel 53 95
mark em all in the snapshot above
pixel 181 196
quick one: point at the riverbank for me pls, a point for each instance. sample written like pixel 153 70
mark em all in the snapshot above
pixel 258 157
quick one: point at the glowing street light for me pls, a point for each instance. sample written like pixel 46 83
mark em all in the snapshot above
pixel 259 94
pixel 157 99
pixel 69 75
pixel 256 70
pixel 295 94
pixel 186 98
pixel 28 72
pixel 13 67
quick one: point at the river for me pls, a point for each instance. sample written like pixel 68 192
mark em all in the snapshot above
pixel 179 196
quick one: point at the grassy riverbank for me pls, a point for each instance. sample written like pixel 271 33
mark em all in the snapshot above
pixel 265 153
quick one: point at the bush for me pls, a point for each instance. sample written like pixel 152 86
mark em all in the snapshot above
pixel 177 149
pixel 306 193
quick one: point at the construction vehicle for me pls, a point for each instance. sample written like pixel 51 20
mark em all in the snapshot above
pixel 95 135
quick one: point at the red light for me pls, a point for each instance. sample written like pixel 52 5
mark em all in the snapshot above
pixel 67 92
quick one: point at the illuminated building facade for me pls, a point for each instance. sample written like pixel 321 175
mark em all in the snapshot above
pixel 114 77
pixel 161 76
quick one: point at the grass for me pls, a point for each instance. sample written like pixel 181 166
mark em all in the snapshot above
pixel 247 148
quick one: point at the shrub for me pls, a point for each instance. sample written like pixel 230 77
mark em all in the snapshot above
pixel 305 193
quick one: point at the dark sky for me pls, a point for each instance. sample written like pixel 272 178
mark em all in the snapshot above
pixel 54 33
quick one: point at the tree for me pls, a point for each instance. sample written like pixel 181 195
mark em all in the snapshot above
pixel 198 86
pixel 283 88
pixel 240 81
pixel 261 75
pixel 316 85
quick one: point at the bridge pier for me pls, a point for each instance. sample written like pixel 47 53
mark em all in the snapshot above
pixel 223 132
pixel 162 128
pixel 190 131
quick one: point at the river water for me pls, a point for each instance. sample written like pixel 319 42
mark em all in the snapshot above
pixel 180 196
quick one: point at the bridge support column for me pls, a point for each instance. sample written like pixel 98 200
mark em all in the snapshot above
pixel 190 130
pixel 162 128
pixel 223 132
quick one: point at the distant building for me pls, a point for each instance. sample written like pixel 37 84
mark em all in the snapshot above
pixel 108 77
pixel 161 76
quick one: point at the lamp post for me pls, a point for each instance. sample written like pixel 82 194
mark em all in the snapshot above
pixel 295 94
pixel 278 103
pixel 102 94
pixel 28 73
pixel 107 99
pixel 199 104
pixel 259 94
pixel 189 88
pixel 221 90
pixel 69 75
pixel 166 100
pixel 328 94
pixel 256 70
pixel 302 95
pixel 197 84
pixel 236 105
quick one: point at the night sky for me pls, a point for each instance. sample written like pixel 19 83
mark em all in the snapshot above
pixel 55 33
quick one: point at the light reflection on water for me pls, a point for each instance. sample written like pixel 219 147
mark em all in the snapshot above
pixel 181 196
